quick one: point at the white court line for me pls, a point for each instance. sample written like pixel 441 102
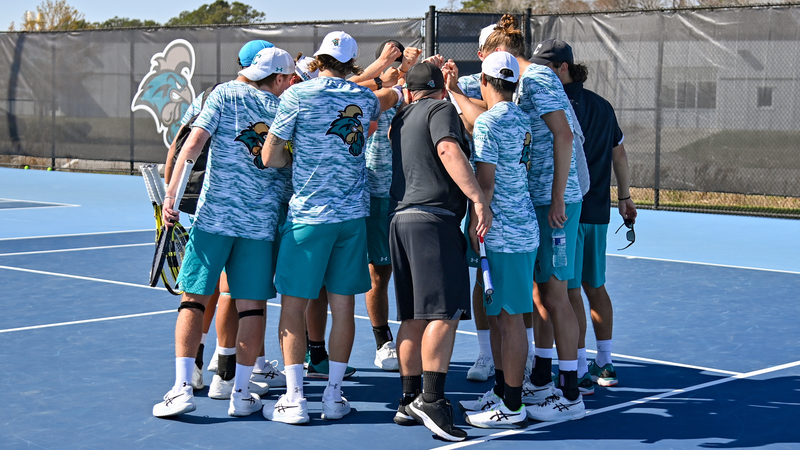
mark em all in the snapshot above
pixel 100 280
pixel 641 401
pixel 76 234
pixel 102 319
pixel 704 264
pixel 54 204
pixel 76 249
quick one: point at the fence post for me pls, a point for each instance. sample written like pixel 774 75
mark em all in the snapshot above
pixel 659 73
pixel 131 94
pixel 430 32
pixel 53 105
pixel 219 56
pixel 528 32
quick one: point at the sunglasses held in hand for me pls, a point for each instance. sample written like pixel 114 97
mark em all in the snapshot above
pixel 630 235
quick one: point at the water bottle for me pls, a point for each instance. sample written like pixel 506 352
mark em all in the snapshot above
pixel 559 248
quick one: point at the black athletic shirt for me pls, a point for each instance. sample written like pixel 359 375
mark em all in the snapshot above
pixel 418 175
pixel 602 133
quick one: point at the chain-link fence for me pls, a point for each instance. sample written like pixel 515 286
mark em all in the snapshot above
pixel 709 100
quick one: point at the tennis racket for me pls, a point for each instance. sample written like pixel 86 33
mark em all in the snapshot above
pixel 170 240
pixel 488 288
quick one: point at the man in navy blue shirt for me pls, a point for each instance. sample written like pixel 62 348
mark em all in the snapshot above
pixel 604 149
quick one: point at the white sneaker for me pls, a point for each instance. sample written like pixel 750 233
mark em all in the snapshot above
pixel 273 377
pixel 386 357
pixel 241 407
pixel 482 369
pixel 258 387
pixel 220 389
pixel 557 408
pixel 532 394
pixel 197 378
pixel 486 402
pixel 287 412
pixel 213 365
pixel 175 403
pixel 498 416
pixel 335 409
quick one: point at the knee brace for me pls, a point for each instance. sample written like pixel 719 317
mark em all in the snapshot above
pixel 252 312
pixel 192 305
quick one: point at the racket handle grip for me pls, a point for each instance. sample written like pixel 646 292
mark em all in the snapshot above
pixel 187 171
pixel 488 288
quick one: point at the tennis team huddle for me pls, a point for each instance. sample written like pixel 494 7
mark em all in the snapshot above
pixel 323 180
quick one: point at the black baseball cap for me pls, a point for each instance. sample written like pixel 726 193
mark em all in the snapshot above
pixel 552 50
pixel 397 44
pixel 423 77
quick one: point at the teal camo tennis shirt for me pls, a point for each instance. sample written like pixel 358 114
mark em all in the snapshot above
pixel 328 120
pixel 379 157
pixel 240 197
pixel 502 137
pixel 542 93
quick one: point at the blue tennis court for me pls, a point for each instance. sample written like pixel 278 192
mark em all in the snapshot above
pixel 707 345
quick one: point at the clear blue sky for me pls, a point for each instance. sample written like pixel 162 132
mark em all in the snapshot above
pixel 161 11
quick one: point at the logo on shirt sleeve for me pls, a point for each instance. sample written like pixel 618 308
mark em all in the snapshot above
pixel 349 128
pixel 526 152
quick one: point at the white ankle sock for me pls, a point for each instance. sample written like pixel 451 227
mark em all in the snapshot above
pixel 544 352
pixel 334 389
pixel 242 380
pixel 485 343
pixel 583 364
pixel 226 351
pixel 203 338
pixel 183 372
pixel 294 382
pixel 604 349
pixel 567 365
pixel 261 364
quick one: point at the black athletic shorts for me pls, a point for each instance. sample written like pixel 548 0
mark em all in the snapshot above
pixel 429 265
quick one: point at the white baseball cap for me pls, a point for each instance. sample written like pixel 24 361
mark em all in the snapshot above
pixel 268 61
pixel 301 68
pixel 485 32
pixel 340 45
pixel 497 61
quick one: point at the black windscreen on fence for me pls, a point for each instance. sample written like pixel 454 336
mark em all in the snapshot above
pixel 118 95
pixel 709 100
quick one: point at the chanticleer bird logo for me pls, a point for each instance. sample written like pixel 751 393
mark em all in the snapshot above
pixel 349 128
pixel 526 152
pixel 253 137
pixel 166 90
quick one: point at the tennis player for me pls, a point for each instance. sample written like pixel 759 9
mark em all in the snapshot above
pixel 604 150
pixel 324 237
pixel 556 194
pixel 502 140
pixel 235 224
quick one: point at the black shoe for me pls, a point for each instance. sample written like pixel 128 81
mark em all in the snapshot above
pixel 402 417
pixel 437 417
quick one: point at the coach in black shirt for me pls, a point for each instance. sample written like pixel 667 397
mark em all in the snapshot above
pixel 431 182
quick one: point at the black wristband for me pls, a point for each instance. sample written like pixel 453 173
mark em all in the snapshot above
pixel 626 198
pixel 378 82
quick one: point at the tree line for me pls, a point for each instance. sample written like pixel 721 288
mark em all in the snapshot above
pixel 58 15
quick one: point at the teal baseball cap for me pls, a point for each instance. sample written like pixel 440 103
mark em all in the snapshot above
pixel 250 50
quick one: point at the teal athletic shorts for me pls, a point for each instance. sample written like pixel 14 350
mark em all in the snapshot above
pixel 544 255
pixel 590 256
pixel 245 262
pixel 378 231
pixel 329 254
pixel 512 278
pixel 473 259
